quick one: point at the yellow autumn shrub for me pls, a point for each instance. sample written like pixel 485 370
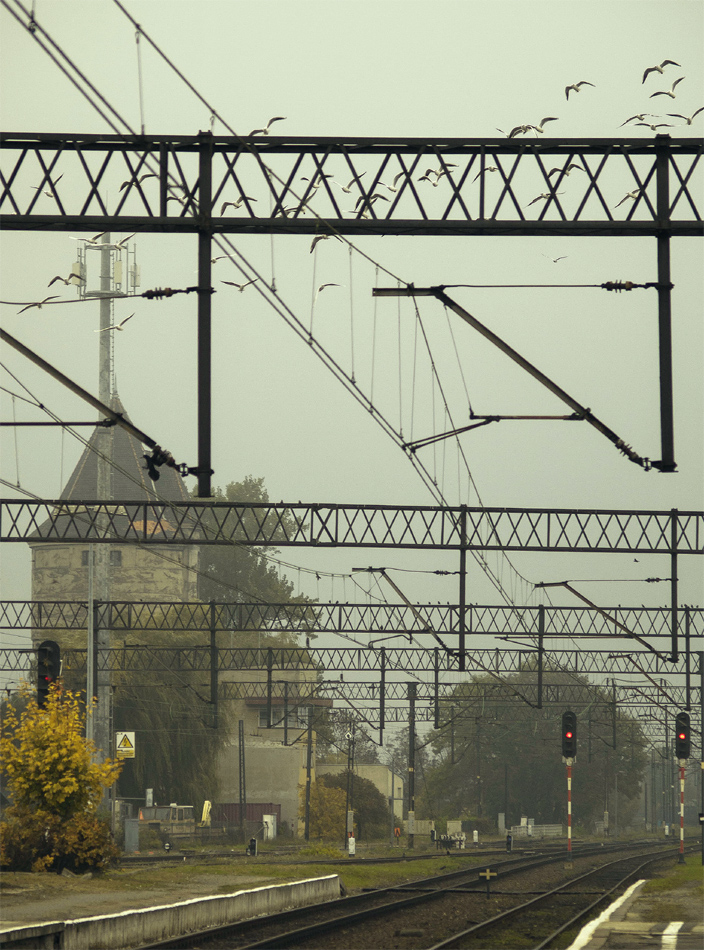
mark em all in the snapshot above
pixel 55 787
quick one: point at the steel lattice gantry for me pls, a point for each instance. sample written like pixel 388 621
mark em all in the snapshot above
pixel 460 528
pixel 187 184
pixel 294 677
pixel 666 174
pixel 351 618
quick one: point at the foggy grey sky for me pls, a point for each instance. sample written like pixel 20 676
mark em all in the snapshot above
pixel 381 68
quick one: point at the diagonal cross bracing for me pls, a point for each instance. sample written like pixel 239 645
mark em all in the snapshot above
pixel 350 618
pixel 287 178
pixel 366 526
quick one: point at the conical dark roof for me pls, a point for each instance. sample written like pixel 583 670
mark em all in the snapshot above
pixel 129 480
pixel 130 486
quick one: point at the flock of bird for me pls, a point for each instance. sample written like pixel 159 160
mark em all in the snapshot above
pixel 365 202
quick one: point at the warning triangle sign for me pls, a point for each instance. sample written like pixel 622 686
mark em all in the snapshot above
pixel 124 745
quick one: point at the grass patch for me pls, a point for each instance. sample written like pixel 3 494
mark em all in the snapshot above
pixel 355 876
pixel 688 874
pixel 666 910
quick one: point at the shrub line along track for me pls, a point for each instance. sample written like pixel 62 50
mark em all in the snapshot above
pixel 356 910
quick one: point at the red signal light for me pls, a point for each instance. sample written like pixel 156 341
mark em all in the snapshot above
pixel 569 734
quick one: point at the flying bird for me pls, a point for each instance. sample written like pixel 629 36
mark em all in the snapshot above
pixel 317 179
pixel 633 195
pixel 518 130
pixel 544 197
pixel 489 168
pixel 572 166
pixel 556 259
pixel 369 199
pixel 72 279
pixel 220 257
pixel 576 87
pixel 136 181
pixel 659 69
pixel 348 188
pixel 52 184
pixel 687 119
pixel 641 117
pixel 539 128
pixel 235 204
pixel 38 305
pixel 322 237
pixel 670 92
pixel 116 326
pixel 240 287
pixel 94 240
pixel 654 128
pixel 120 245
pixel 265 130
pixel 396 180
pixel 323 286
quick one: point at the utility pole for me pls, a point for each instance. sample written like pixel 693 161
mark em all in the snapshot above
pixel 243 780
pixel 309 760
pixel 411 763
pixel 101 552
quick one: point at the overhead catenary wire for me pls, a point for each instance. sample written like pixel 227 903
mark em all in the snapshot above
pixel 431 482
pixel 68 426
pixel 139 77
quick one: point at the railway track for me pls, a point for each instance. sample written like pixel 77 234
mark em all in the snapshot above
pixel 416 913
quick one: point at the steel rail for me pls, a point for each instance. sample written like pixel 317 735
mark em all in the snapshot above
pixel 541 898
pixel 510 866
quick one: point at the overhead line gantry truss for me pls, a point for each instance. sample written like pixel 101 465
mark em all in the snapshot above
pixel 294 184
pixel 284 185
pixel 381 619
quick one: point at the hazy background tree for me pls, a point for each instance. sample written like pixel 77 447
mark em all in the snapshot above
pixel 496 753
pixel 170 711
pixel 371 810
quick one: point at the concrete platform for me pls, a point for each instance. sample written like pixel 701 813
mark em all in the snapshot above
pixel 135 928
pixel 627 923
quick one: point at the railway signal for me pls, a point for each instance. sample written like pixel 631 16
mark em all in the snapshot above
pixel 48 668
pixel 569 735
pixel 682 739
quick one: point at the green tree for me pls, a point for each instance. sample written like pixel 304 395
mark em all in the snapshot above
pixel 170 710
pixel 55 786
pixel 327 811
pixel 333 741
pixel 496 753
pixel 240 571
pixel 371 810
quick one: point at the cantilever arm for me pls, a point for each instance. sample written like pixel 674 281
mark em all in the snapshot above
pixel 582 411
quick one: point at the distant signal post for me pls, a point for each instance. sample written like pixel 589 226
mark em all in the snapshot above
pixel 682 751
pixel 569 753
